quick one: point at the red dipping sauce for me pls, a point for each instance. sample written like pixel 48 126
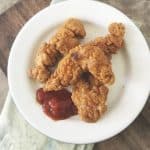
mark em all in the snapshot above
pixel 56 104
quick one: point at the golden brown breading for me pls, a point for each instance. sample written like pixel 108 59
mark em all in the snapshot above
pixel 63 45
pixel 40 70
pixel 75 26
pixel 39 73
pixel 46 55
pixel 82 58
pixel 65 39
pixel 94 60
pixel 65 74
pixel 89 96
pixel 112 42
pixel 67 36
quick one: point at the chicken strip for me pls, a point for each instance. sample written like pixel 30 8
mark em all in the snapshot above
pixel 68 35
pixel 82 58
pixel 89 96
pixel 65 74
pixel 45 56
pixel 112 42
pixel 65 39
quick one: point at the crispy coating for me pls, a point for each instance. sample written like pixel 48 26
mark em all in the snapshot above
pixel 94 60
pixel 65 74
pixel 76 27
pixel 89 96
pixel 46 55
pixel 112 42
pixel 82 58
pixel 66 38
pixel 63 45
pixel 42 60
pixel 39 73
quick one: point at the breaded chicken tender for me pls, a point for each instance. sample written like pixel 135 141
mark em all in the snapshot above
pixel 65 39
pixel 94 60
pixel 68 35
pixel 81 58
pixel 45 57
pixel 89 96
pixel 66 73
pixel 112 42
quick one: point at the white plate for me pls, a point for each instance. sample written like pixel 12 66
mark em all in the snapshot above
pixel 131 66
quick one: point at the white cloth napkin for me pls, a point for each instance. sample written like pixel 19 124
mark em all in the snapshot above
pixel 17 134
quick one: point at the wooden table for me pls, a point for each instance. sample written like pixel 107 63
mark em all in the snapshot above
pixel 137 135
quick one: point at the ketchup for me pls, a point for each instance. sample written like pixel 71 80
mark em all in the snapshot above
pixel 56 104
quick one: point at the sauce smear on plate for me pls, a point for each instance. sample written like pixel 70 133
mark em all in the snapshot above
pixel 56 104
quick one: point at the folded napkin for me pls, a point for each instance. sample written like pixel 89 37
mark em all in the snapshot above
pixel 17 134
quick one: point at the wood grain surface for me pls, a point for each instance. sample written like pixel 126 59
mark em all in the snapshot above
pixel 137 135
